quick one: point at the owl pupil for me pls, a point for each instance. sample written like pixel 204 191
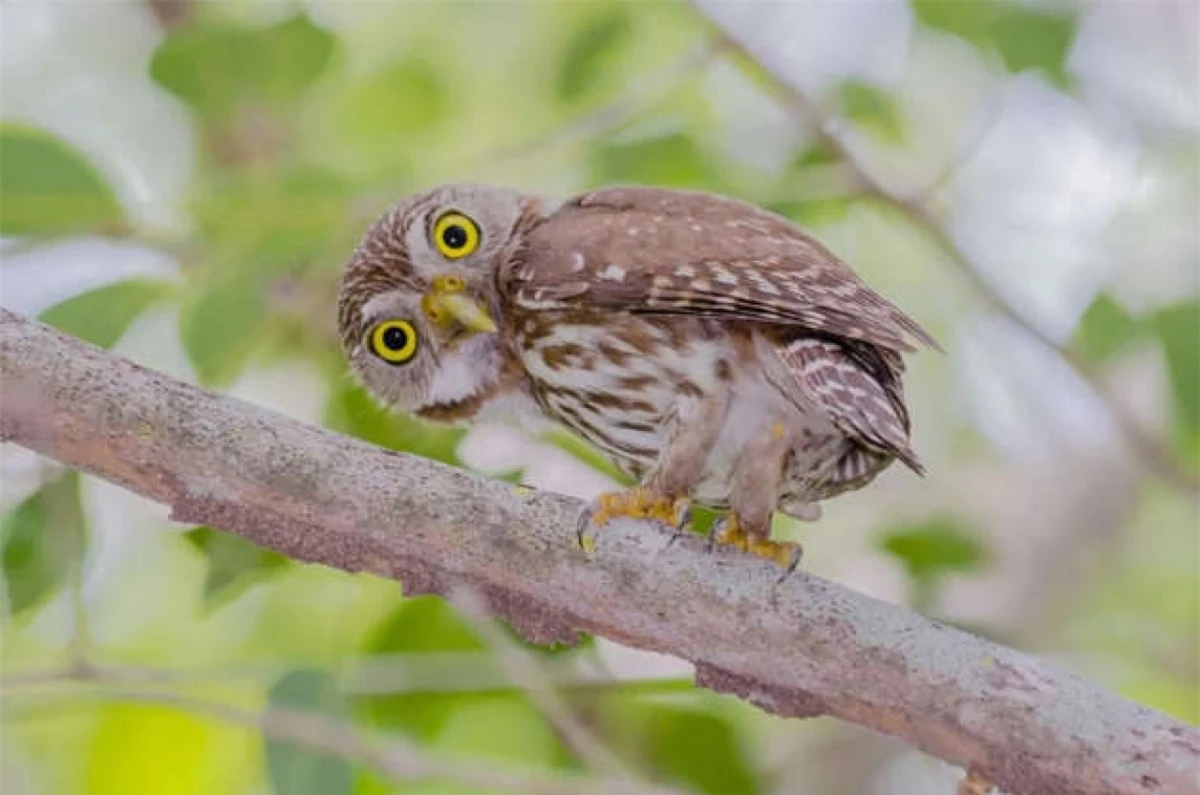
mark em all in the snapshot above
pixel 395 339
pixel 454 236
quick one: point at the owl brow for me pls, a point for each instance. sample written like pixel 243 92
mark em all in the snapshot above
pixel 425 210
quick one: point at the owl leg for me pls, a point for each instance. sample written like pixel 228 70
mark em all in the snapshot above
pixel 756 483
pixel 663 492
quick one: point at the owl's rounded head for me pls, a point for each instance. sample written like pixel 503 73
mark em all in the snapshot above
pixel 413 365
pixel 463 231
pixel 431 262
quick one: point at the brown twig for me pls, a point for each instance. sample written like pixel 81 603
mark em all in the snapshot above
pixel 800 647
pixel 1153 452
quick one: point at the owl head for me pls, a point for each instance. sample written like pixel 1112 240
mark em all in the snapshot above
pixel 416 301
pixel 414 365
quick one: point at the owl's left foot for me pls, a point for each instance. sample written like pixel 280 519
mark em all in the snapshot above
pixel 637 503
pixel 729 532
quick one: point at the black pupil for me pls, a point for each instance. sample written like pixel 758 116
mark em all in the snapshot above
pixel 395 338
pixel 454 236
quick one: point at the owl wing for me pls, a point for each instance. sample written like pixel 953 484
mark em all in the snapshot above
pixel 660 251
pixel 859 387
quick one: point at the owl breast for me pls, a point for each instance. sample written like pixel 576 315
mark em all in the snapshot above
pixel 616 381
pixel 620 381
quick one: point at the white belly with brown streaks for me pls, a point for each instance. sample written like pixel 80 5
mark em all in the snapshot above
pixel 624 401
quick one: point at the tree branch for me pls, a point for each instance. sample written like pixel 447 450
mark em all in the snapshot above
pixel 801 647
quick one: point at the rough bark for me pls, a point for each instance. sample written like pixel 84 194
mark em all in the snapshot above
pixel 800 647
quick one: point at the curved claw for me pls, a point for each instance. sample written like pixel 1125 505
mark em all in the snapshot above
pixel 728 532
pixel 636 503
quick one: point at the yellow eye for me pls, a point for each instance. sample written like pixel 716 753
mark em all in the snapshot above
pixel 394 341
pixel 455 235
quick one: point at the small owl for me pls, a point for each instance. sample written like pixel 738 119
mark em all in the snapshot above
pixel 713 350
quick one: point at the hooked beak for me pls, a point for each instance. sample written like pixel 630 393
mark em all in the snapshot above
pixel 445 303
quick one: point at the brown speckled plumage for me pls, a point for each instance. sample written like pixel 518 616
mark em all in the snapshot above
pixel 710 348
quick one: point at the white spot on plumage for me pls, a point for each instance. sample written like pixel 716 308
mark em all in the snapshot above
pixel 613 273
pixel 685 271
pixel 722 276
pixel 763 285
pixel 577 262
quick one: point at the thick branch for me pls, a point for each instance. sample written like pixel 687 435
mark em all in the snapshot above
pixel 800 647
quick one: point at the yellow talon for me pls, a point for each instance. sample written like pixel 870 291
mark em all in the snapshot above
pixel 731 534
pixel 640 504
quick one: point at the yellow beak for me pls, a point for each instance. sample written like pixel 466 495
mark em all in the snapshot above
pixel 461 308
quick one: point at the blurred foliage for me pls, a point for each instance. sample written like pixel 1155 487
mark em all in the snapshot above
pixel 931 552
pixel 872 109
pixel 102 316
pixel 233 563
pixel 46 188
pixel 311 119
pixel 220 68
pixel 42 541
pixel 1178 327
pixel 1025 36
pixel 297 770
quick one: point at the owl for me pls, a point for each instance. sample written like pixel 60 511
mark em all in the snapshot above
pixel 716 352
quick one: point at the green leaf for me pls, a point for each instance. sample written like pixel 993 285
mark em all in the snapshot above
pixel 47 188
pixel 590 50
pixel 295 769
pixel 215 66
pixel 1178 328
pixel 405 102
pixel 931 551
pixel 1105 329
pixel 671 160
pixel 697 748
pixel 814 212
pixel 293 55
pixel 936 548
pixel 872 109
pixel 973 20
pixel 1036 39
pixel 43 541
pixel 424 624
pixel 353 411
pixel 273 221
pixel 1024 36
pixel 221 324
pixel 102 315
pixel 233 563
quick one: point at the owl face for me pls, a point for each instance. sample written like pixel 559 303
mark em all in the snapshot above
pixel 412 364
pixel 459 231
pixel 428 267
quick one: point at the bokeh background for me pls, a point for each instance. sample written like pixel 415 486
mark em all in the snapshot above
pixel 183 181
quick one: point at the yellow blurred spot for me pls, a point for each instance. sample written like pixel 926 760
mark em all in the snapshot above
pixel 588 543
pixel 151 748
pixel 777 430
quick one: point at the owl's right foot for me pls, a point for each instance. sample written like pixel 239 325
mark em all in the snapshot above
pixel 729 532
pixel 638 503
